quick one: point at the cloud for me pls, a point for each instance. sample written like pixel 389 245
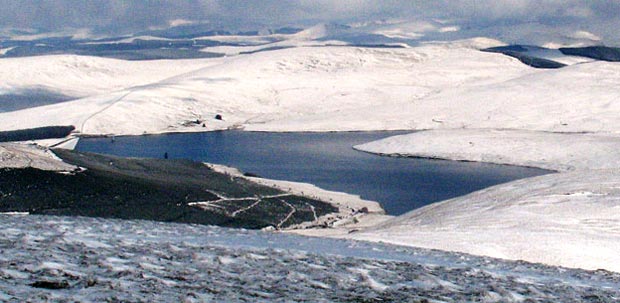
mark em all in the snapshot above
pixel 125 16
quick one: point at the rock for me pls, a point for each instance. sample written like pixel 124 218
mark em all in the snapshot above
pixel 51 284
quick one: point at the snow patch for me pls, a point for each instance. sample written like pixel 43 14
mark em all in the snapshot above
pixel 14 155
pixel 367 279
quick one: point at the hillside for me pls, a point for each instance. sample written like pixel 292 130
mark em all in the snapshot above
pixel 328 88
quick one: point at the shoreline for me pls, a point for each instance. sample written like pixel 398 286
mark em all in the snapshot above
pixel 569 154
pixel 38 182
pixel 352 212
pixel 349 219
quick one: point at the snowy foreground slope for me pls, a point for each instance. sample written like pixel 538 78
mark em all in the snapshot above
pixel 56 259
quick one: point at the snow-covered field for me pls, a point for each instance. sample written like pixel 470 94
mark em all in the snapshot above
pixel 569 218
pixel 549 150
pixel 53 259
pixel 81 76
pixel 479 106
pixel 320 89
pixel 438 85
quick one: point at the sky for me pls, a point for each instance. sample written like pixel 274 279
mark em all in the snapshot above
pixel 117 16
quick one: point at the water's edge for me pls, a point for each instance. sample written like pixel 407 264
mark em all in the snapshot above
pixel 326 160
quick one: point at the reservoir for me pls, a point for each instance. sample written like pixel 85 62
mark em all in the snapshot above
pixel 326 160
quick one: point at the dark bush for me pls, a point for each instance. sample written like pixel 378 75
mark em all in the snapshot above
pixel 47 132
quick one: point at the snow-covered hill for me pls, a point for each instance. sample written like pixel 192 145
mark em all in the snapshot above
pixel 81 76
pixel 327 88
pixel 445 85
pixel 553 151
pixel 569 219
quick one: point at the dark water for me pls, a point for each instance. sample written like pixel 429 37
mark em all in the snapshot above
pixel 324 159
pixel 30 98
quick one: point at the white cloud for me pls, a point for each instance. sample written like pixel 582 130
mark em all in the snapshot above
pixel 121 15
